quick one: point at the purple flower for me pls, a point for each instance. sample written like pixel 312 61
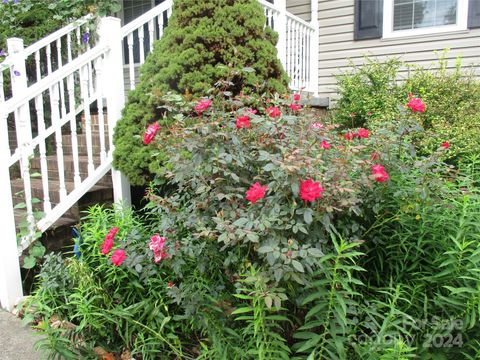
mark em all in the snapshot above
pixel 3 53
pixel 16 73
pixel 5 1
pixel 86 37
pixel 16 1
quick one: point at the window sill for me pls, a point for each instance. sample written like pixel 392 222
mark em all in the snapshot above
pixel 428 35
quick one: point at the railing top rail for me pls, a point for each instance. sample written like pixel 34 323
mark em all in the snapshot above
pixel 56 76
pixel 266 4
pixel 135 24
pixel 56 35
pixel 301 21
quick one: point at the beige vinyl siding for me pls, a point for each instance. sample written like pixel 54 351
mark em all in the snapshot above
pixel 300 8
pixel 337 47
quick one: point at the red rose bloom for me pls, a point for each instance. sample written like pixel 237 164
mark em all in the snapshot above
pixel 349 136
pixel 170 284
pixel 363 133
pixel 310 190
pixel 273 112
pixel 256 192
pixel 243 121
pixel 296 97
pixel 150 133
pixel 325 145
pixel 379 173
pixel 416 104
pixel 295 107
pixel 203 105
pixel 445 145
pixel 118 257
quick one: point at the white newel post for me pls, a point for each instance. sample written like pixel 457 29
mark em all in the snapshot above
pixel 281 28
pixel 18 73
pixel 10 277
pixel 110 34
pixel 314 48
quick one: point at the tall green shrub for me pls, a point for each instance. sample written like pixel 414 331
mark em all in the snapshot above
pixel 371 95
pixel 205 42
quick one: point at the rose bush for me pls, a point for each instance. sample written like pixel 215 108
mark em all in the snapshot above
pixel 276 237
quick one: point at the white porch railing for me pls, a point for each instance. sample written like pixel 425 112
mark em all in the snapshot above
pixel 47 91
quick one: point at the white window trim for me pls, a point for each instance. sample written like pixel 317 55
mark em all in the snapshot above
pixel 388 33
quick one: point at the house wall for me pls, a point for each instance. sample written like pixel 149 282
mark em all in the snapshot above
pixel 337 47
pixel 301 8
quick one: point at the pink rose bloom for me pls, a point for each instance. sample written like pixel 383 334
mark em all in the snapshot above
pixel 363 133
pixel 157 242
pixel 445 145
pixel 243 121
pixel 273 112
pixel 296 97
pixel 310 190
pixel 317 126
pixel 379 173
pixel 256 192
pixel 161 255
pixel 325 145
pixel 150 133
pixel 118 257
pixel 416 104
pixel 203 105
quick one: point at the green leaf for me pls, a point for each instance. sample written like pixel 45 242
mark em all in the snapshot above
pixel 269 167
pixel 308 216
pixel 37 251
pixel 315 252
pixel 252 237
pixel 29 262
pixel 298 266
pixel 268 302
pixel 242 310
pixel 265 249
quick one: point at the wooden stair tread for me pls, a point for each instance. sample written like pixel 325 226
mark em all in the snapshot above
pixel 55 184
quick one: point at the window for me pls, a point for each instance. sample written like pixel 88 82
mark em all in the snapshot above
pixel 422 17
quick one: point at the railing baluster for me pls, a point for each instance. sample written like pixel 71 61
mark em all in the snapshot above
pixel 69 47
pixel 62 85
pixel 150 35
pixel 2 92
pixel 131 64
pixel 56 122
pixel 88 118
pixel 73 129
pixel 160 26
pixel 47 205
pixel 141 44
pixel 101 119
pixel 38 70
pixel 49 59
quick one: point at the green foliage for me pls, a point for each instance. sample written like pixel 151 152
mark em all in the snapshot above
pixel 372 94
pixel 216 44
pixel 369 270
pixel 32 20
pixel 369 93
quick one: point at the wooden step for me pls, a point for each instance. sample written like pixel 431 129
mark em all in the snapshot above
pixel 53 190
